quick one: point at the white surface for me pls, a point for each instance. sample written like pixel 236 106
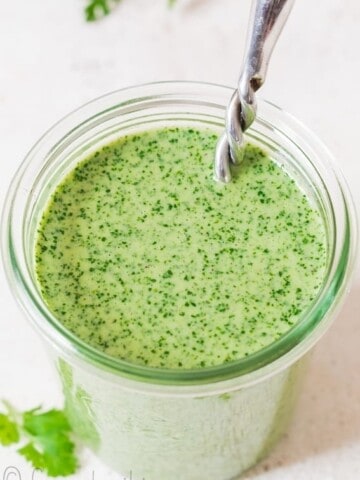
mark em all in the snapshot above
pixel 51 61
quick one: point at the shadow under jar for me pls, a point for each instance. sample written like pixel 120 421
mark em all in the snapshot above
pixel 157 423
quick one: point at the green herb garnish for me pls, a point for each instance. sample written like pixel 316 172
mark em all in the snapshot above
pixel 97 9
pixel 45 438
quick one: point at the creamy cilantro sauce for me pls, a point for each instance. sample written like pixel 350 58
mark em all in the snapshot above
pixel 141 254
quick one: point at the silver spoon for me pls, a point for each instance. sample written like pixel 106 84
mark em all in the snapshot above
pixel 267 20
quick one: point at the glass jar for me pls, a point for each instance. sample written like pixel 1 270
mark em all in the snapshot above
pixel 159 424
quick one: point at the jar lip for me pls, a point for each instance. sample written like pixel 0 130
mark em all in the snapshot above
pixel 279 354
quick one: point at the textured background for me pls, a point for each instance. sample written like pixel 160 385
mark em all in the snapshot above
pixel 51 61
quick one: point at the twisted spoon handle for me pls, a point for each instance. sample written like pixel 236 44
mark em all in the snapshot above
pixel 267 20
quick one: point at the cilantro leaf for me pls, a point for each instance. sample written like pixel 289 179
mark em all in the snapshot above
pixel 9 432
pixel 33 456
pixel 99 8
pixel 50 448
pixel 47 437
pixel 53 455
pixel 46 423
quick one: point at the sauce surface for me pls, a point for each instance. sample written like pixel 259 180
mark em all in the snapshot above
pixel 141 254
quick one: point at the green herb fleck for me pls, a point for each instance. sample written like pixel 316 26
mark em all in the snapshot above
pixel 97 9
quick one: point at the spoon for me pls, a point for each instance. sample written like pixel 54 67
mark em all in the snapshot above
pixel 267 20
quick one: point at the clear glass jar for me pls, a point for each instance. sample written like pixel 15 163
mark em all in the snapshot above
pixel 158 424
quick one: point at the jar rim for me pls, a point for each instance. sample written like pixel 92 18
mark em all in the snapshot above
pixel 312 323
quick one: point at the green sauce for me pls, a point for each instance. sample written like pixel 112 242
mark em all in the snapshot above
pixel 141 254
